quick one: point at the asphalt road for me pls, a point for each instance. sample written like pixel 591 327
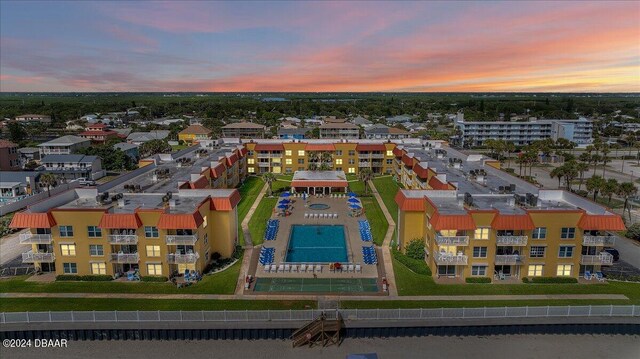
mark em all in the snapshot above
pixel 492 347
pixel 10 249
pixel 629 250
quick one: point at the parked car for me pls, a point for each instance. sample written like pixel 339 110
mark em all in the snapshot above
pixel 86 182
pixel 614 252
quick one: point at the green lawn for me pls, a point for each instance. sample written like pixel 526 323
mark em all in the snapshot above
pixel 387 188
pixel 99 304
pixel 219 283
pixel 376 219
pixel 248 193
pixel 411 283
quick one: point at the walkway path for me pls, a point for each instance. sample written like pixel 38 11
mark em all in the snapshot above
pixel 386 251
pixel 315 297
pixel 248 242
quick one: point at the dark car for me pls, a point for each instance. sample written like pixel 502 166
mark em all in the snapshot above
pixel 614 252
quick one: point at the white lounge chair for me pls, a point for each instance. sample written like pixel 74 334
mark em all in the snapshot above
pixel 266 268
pixel 350 268
pixel 303 268
pixel 306 215
pixel 318 268
pixel 335 216
pixel 287 268
pixel 294 268
pixel 358 268
pixel 273 268
pixel 281 268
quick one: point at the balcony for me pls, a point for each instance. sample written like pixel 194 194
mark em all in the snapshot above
pixel 177 258
pixel 598 240
pixel 603 258
pixel 263 164
pixel 263 155
pixel 452 240
pixel 32 238
pixel 31 257
pixel 364 164
pixel 450 258
pixel 123 239
pixel 509 259
pixel 512 240
pixel 377 155
pixel 174 240
pixel 125 257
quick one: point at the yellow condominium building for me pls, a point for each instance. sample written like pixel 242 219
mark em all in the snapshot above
pixel 84 232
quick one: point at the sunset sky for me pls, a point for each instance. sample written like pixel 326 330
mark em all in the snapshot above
pixel 320 46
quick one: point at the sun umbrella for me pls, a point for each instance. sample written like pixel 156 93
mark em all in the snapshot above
pixel 286 201
pixel 285 194
pixel 354 206
pixel 352 200
pixel 282 206
pixel 351 194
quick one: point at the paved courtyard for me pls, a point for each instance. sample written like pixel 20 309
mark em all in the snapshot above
pixel 337 206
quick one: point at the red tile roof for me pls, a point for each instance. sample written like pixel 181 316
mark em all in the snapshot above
pixel 269 147
pixel 232 159
pixel 32 220
pixel 611 222
pixel 180 221
pixel 463 222
pixel 371 147
pixel 512 221
pixel 98 133
pixel 421 172
pixel 436 184
pixel 407 160
pixel 120 220
pixel 243 151
pixel 397 152
pixel 320 147
pixel 201 182
pixel 323 183
pixel 218 170
pixel 409 204
pixel 225 203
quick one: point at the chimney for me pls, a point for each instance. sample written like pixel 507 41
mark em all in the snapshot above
pixel 511 201
pixel 120 202
pixel 172 203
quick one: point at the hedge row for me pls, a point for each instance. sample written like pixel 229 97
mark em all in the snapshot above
pixel 415 265
pixel 478 280
pixel 153 279
pixel 87 278
pixel 549 280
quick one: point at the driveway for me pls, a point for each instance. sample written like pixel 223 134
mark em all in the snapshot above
pixel 629 250
pixel 11 250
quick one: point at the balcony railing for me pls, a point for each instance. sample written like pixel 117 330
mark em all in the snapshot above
pixel 177 258
pixel 174 239
pixel 32 238
pixel 125 257
pixel 263 155
pixel 598 240
pixel 123 239
pixel 31 257
pixel 450 258
pixel 603 258
pixel 377 155
pixel 452 240
pixel 512 240
pixel 263 164
pixel 364 164
pixel 509 259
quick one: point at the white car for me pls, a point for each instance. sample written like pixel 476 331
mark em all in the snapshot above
pixel 86 182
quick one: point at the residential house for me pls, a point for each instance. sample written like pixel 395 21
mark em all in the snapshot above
pixel 64 145
pixel 383 132
pixel 28 154
pixel 9 157
pixel 138 138
pixel 339 130
pixel 194 133
pixel 243 130
pixel 31 118
pixel 74 166
pixel 98 133
pixel 129 149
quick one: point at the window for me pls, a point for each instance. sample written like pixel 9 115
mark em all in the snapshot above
pixel 479 271
pixel 300 152
pixel 251 169
pixel 389 153
pixel 154 269
pixel 338 152
pixel 94 231
pixel 300 168
pixel 300 161
pixel 287 152
pixel 540 233
pixel 288 161
pixel 151 232
pixel 535 270
pixel 568 233
pixel 537 251
pixel 352 161
pixel 479 252
pixel 98 268
pixel 66 231
pixel 251 161
pixel 564 270
pixel 339 161
pixel 96 250
pixel 338 168
pixel 153 251
pixel 352 152
pixel 352 170
pixel 70 268
pixel 566 252
pixel 68 249
pixel 206 238
pixel 389 162
pixel 481 233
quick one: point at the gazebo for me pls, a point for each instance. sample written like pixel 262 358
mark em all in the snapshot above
pixel 319 182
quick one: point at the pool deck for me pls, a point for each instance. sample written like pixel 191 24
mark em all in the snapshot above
pixel 352 237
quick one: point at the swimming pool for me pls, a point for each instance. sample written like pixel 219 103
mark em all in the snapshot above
pixel 319 206
pixel 317 244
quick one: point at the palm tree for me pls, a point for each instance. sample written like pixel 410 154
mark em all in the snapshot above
pixel 610 188
pixel 558 173
pixel 581 167
pixel 605 151
pixel 509 147
pixel 326 157
pixel 595 184
pixel 570 173
pixel 627 190
pixel 268 178
pixel 48 180
pixel 365 175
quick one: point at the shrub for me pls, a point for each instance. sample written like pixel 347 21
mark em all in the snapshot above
pixel 417 266
pixel 510 170
pixel 525 280
pixel 215 256
pixel 478 280
pixel 552 280
pixel 581 193
pixel 633 231
pixel 415 249
pixel 153 278
pixel 237 254
pixel 86 278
